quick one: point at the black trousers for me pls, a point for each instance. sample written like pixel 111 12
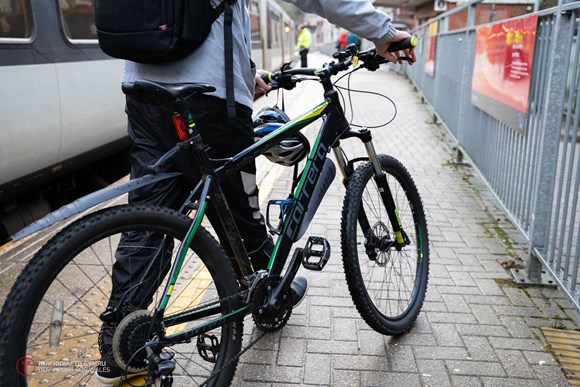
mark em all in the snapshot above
pixel 304 57
pixel 151 129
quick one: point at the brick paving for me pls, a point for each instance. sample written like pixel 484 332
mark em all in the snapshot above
pixel 476 328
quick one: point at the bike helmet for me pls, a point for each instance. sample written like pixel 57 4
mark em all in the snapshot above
pixel 289 151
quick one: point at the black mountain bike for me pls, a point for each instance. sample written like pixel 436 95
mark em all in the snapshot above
pixel 191 331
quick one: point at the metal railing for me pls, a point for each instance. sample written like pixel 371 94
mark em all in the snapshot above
pixel 534 172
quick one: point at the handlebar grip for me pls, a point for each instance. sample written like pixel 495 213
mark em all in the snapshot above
pixel 404 44
pixel 267 77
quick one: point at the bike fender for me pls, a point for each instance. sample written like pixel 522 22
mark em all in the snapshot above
pixel 90 200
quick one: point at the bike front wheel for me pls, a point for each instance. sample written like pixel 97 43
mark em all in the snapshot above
pixel 53 329
pixel 387 282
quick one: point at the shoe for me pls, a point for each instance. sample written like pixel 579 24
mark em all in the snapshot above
pixel 108 373
pixel 299 288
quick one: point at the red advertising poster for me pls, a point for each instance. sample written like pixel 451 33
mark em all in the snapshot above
pixel 502 70
pixel 430 47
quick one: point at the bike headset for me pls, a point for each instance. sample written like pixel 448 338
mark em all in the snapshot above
pixel 289 151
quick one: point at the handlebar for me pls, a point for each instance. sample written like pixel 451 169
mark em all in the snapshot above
pixel 368 59
pixel 410 42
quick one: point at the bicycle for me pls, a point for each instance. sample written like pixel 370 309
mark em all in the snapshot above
pixel 186 325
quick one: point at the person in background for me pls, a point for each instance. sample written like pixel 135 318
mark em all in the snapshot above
pixel 351 38
pixel 304 44
pixel 341 44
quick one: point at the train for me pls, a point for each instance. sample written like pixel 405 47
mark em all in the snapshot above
pixel 62 123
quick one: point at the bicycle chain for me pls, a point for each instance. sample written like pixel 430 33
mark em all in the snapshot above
pixel 203 306
pixel 243 295
pixel 214 374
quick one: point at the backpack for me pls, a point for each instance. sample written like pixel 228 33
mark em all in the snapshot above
pixel 153 31
pixel 157 31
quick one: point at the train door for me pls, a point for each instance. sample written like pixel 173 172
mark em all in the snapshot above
pixel 256 35
pixel 90 90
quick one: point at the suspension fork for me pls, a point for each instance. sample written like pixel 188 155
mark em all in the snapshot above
pixel 347 170
pixel 380 178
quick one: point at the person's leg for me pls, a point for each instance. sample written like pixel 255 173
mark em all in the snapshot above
pixel 226 138
pixel 151 130
pixel 152 133
pixel 241 190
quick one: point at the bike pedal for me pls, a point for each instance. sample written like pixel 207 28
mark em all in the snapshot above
pixel 316 253
pixel 208 347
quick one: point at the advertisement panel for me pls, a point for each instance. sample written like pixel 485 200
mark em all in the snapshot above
pixel 430 48
pixel 502 70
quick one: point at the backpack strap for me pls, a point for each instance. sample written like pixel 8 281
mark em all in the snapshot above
pixel 229 58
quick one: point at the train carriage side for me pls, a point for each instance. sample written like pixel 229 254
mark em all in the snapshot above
pixel 289 36
pixel 256 35
pixel 61 106
pixel 277 35
pixel 62 121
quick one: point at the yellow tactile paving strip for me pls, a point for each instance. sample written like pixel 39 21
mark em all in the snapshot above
pixel 565 345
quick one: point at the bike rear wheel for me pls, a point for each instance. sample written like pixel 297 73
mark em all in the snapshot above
pixel 387 284
pixel 51 318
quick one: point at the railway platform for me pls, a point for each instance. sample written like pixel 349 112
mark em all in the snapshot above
pixel 477 327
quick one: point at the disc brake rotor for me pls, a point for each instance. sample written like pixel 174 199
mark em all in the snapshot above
pixel 381 233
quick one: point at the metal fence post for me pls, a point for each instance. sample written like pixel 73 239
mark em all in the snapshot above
pixel 466 80
pixel 549 145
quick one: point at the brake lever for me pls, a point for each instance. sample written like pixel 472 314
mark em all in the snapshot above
pixel 287 82
pixel 374 63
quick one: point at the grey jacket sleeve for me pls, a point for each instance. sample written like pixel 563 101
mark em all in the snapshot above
pixel 358 16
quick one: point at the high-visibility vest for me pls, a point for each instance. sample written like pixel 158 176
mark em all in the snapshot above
pixel 304 39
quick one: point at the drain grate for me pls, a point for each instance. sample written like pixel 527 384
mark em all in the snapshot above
pixel 565 345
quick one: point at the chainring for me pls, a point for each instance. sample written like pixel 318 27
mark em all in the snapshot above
pixel 267 318
pixel 130 338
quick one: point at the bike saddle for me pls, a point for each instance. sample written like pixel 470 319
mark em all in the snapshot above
pixel 159 93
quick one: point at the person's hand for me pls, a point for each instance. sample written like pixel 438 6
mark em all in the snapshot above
pixel 261 86
pixel 393 57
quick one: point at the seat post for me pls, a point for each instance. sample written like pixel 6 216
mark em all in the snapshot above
pixel 199 150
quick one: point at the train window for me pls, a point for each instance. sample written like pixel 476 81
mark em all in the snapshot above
pixel 15 19
pixel 274 31
pixel 78 19
pixel 255 25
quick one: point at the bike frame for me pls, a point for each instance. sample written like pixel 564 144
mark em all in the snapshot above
pixel 334 128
